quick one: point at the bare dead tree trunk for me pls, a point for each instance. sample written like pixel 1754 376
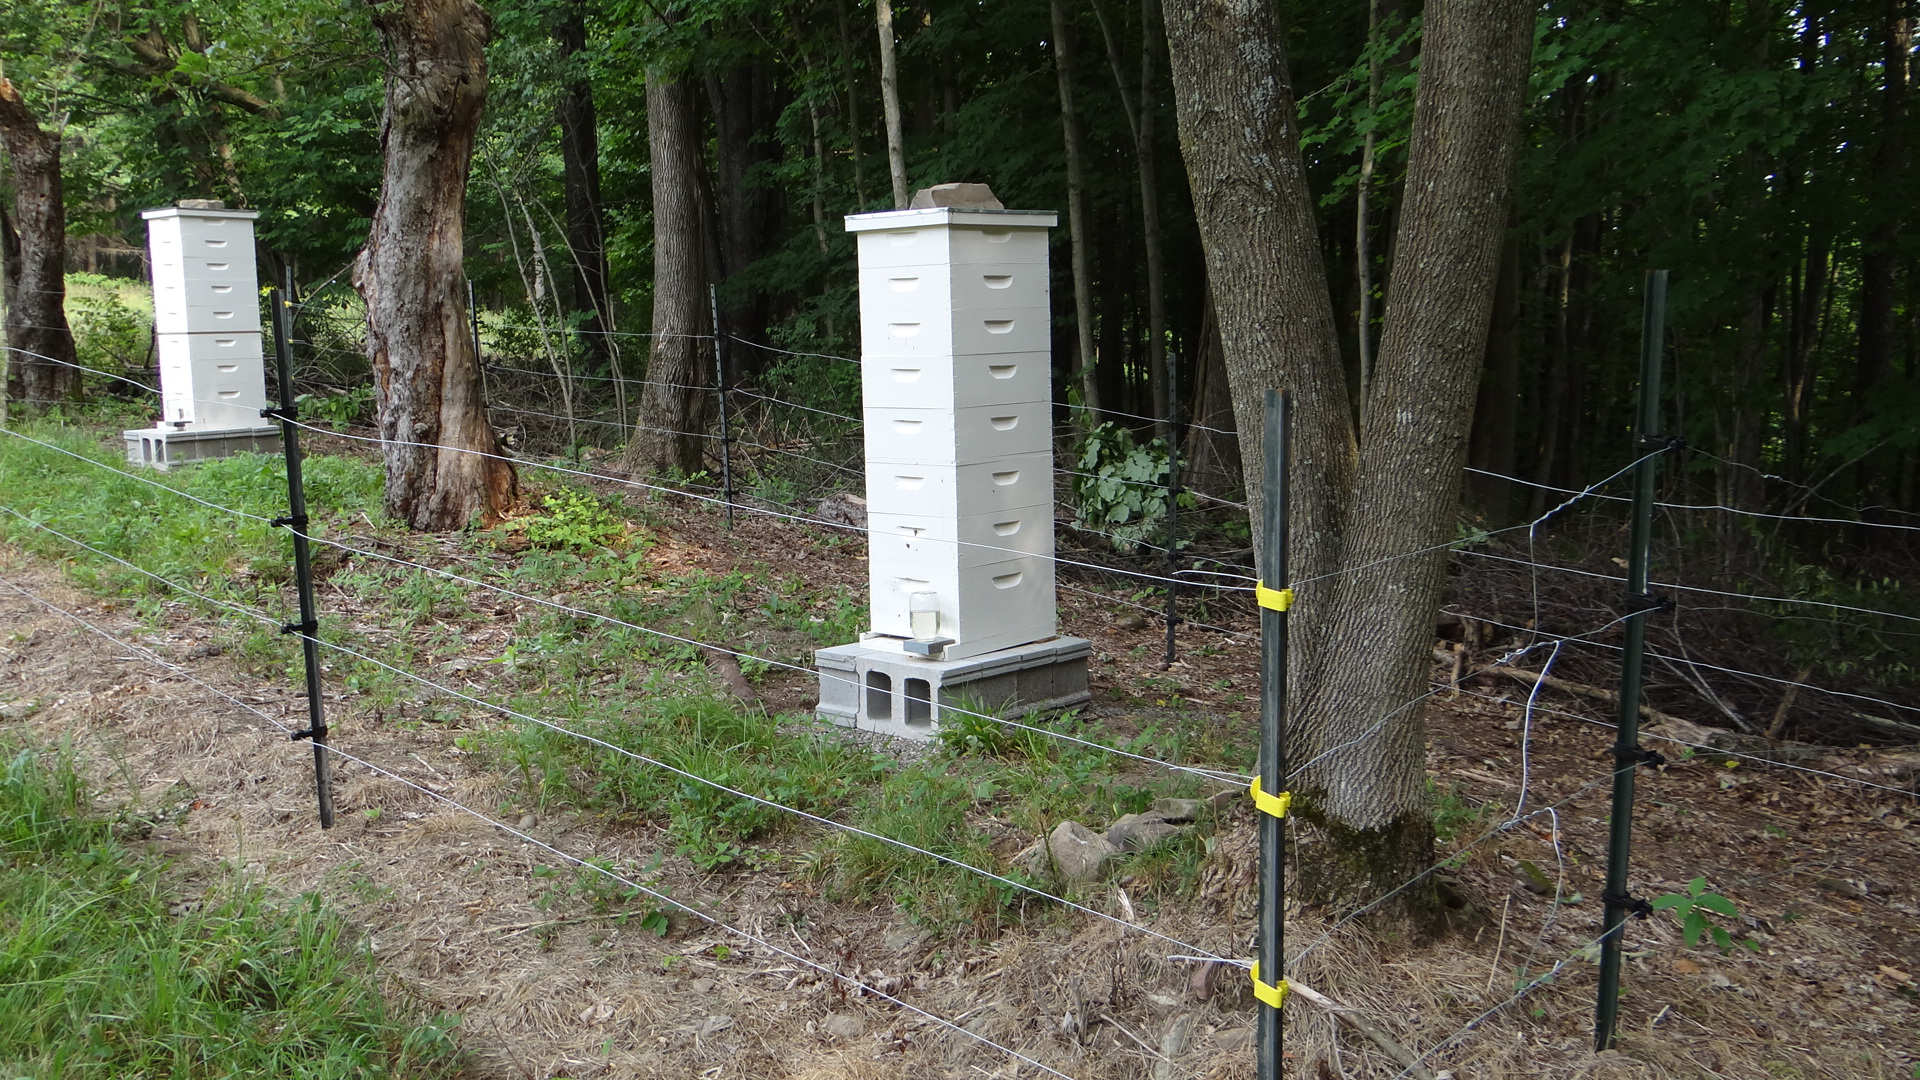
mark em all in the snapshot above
pixel 890 101
pixel 33 263
pixel 672 402
pixel 1363 500
pixel 1076 206
pixel 444 466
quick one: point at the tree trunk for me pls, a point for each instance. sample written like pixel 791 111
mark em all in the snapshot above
pixel 746 112
pixel 1363 501
pixel 890 102
pixel 1076 207
pixel 672 401
pixel 1140 113
pixel 580 179
pixel 39 342
pixel 444 465
pixel 853 101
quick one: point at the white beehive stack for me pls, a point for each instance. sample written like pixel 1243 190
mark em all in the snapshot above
pixel 206 317
pixel 955 331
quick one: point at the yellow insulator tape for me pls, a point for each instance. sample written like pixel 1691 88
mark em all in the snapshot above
pixel 1275 804
pixel 1277 599
pixel 1272 994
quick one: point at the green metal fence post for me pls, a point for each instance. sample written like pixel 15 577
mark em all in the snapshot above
pixel 1628 755
pixel 1274 602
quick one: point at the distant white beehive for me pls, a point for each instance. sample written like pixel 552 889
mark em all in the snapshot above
pixel 955 342
pixel 206 315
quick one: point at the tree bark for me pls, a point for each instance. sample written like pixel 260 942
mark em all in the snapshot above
pixel 890 102
pixel 33 263
pixel 444 467
pixel 672 401
pixel 1366 504
pixel 580 179
pixel 1140 114
pixel 1075 141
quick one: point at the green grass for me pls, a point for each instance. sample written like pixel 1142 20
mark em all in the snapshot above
pixel 99 977
pixel 627 687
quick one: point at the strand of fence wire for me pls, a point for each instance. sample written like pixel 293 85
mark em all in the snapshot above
pixel 722 502
pixel 629 482
pixel 1800 684
pixel 1698 588
pixel 1217 775
pixel 1156 612
pixel 735 440
pixel 1812 490
pixel 1703 506
pixel 561 729
pixel 1716 751
pixel 654 894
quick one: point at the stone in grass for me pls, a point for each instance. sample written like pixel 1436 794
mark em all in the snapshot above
pixel 1138 832
pixel 844 1026
pixel 1078 853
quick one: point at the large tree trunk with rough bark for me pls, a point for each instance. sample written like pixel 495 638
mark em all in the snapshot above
pixel 1368 502
pixel 33 260
pixel 890 103
pixel 672 405
pixel 444 466
pixel 580 179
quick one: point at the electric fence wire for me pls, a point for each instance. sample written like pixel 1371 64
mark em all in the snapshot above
pixel 586 864
pixel 1714 751
pixel 561 729
pixel 1715 507
pixel 1216 775
pixel 629 482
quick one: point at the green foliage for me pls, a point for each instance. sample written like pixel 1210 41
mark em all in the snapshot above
pixel 1695 909
pixel 576 520
pixel 338 411
pixel 112 321
pixel 1121 486
pixel 97 977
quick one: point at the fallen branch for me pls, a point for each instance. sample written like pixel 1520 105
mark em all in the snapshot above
pixel 1358 1022
pixel 1684 730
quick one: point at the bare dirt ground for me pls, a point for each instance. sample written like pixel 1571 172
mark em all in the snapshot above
pixel 457 908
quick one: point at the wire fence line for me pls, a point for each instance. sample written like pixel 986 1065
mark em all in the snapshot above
pixel 595 865
pixel 561 729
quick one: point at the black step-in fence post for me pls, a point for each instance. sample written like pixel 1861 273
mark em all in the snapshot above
pixel 1627 752
pixel 1270 792
pixel 296 523
pixel 720 390
pixel 1173 502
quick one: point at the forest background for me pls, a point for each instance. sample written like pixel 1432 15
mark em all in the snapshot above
pixel 1759 150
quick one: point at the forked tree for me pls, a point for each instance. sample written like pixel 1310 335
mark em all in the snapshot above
pixel 444 465
pixel 1373 502
pixel 33 255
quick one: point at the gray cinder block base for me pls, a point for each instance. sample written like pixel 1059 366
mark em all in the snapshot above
pixel 163 448
pixel 880 688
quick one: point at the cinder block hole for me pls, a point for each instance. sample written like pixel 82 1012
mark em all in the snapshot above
pixel 919 703
pixel 879 695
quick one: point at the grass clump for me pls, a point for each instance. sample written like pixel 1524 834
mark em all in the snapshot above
pixel 100 975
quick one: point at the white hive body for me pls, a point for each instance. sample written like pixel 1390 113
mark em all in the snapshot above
pixel 955 356
pixel 206 315
pixel 955 328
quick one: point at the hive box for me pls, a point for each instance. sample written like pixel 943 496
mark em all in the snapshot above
pixel 206 312
pixel 955 323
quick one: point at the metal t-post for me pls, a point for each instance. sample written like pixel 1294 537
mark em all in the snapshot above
pixel 1274 602
pixel 296 523
pixel 720 391
pixel 1627 752
pixel 1173 502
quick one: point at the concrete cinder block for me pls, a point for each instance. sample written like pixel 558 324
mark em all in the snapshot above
pixel 872 686
pixel 164 447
